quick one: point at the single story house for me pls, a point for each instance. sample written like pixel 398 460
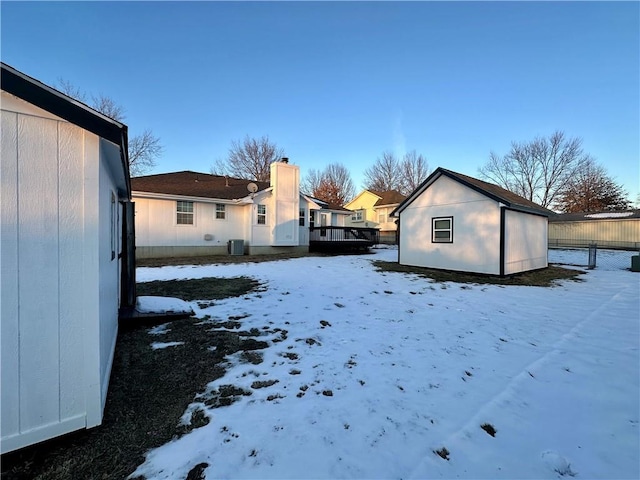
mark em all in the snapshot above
pixel 619 230
pixel 195 214
pixel 456 222
pixel 372 208
pixel 66 259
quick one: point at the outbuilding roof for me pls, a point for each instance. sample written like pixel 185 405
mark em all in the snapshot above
pixel 499 194
pixel 194 184
pixel 47 98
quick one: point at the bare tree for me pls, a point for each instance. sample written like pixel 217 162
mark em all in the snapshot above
pixel 109 107
pixel 389 173
pixel 250 158
pixel 415 169
pixel 144 149
pixel 333 185
pixel 311 182
pixel 385 174
pixel 537 170
pixel 591 189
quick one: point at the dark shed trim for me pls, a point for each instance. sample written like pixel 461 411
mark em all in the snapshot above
pixel 37 93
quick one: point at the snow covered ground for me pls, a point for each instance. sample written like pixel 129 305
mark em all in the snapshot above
pixel 378 371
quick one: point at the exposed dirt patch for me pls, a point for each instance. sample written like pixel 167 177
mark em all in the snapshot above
pixel 546 277
pixel 149 391
pixel 212 288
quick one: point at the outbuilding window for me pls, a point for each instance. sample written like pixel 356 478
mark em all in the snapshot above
pixel 357 216
pixel 184 213
pixel 442 230
pixel 221 213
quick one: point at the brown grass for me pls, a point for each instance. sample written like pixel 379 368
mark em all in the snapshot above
pixel 546 277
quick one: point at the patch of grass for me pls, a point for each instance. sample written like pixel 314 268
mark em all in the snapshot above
pixel 442 453
pixel 222 259
pixel 546 277
pixel 198 289
pixel 487 427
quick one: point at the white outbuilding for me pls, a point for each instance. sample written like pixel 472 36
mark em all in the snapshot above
pixel 459 223
pixel 66 258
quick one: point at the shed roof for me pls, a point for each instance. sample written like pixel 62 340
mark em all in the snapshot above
pixel 47 98
pixel 490 190
pixel 194 184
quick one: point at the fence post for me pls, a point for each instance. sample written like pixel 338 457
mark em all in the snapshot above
pixel 593 248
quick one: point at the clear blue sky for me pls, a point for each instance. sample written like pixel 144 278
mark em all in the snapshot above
pixel 343 82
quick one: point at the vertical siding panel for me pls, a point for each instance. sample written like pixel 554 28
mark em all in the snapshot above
pixel 38 273
pixel 10 324
pixel 91 282
pixel 71 286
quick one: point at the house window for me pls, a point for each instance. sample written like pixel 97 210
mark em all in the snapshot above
pixel 220 211
pixel 184 213
pixel 303 214
pixel 262 214
pixel 382 218
pixel 357 216
pixel 312 220
pixel 442 230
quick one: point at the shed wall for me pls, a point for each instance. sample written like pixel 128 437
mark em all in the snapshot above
pixel 525 242
pixel 44 247
pixel 476 230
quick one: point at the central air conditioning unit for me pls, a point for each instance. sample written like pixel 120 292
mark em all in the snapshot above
pixel 235 247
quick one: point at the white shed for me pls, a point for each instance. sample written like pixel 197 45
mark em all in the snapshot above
pixel 455 222
pixel 65 190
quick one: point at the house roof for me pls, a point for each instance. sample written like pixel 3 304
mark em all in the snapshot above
pixel 43 96
pixel 195 184
pixel 329 206
pixel 390 197
pixel 499 194
pixel 591 216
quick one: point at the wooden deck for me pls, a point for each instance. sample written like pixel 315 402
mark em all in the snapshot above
pixel 342 238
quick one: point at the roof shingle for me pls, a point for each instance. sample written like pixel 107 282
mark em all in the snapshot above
pixel 195 184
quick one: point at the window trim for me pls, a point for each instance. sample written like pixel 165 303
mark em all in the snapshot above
pixel 434 230
pixel 302 217
pixel 358 215
pixel 261 215
pixel 192 213
pixel 223 211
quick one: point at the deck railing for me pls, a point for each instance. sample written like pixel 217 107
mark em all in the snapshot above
pixel 344 234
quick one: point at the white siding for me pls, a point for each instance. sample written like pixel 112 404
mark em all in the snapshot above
pixel 54 349
pixel 525 242
pixel 476 229
pixel 285 181
pixel 156 224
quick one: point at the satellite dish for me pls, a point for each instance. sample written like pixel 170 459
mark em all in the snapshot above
pixel 252 187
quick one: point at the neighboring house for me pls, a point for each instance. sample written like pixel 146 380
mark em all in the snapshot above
pixel 66 264
pixel 195 214
pixel 372 208
pixel 455 222
pixel 606 229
